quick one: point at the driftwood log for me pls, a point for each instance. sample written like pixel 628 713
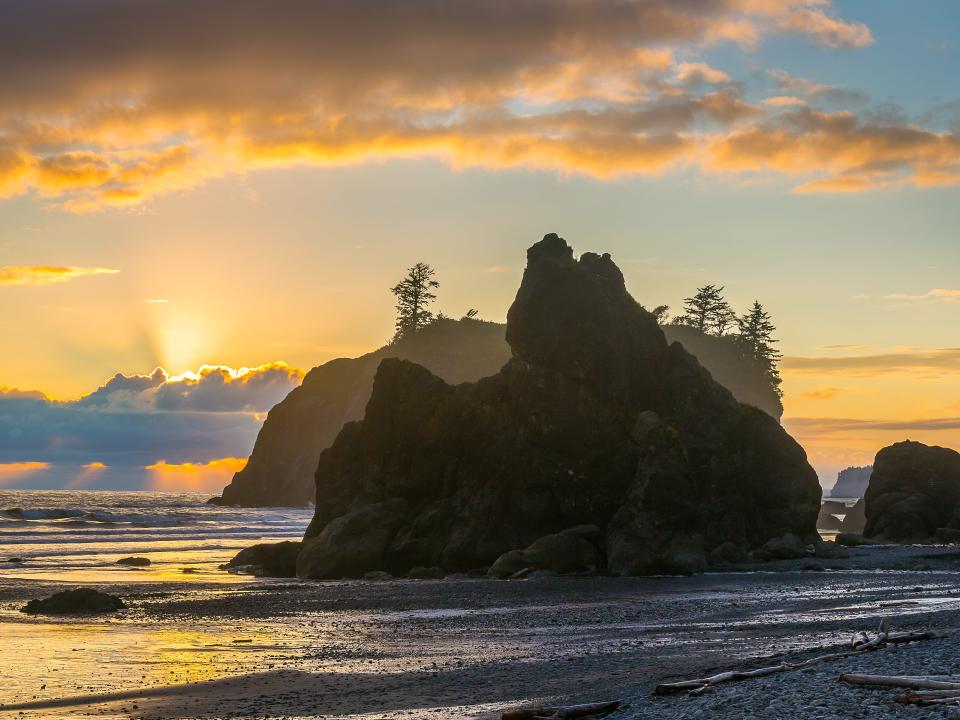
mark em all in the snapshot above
pixel 567 712
pixel 861 643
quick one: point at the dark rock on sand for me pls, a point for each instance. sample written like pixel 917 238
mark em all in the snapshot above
pixel 914 490
pixel 134 561
pixel 786 547
pixel 728 553
pixel 267 559
pixel 281 467
pixel 595 420
pixel 74 602
pixel 377 575
pixel 15 560
pixel 948 536
pixel 826 550
pixel 854 540
pixel 573 550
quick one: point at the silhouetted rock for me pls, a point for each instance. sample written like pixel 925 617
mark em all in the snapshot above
pixel 281 467
pixel 827 519
pixel 854 540
pixel 738 371
pixel 728 553
pixel 855 519
pixel 852 482
pixel 826 550
pixel 134 561
pixel 914 490
pixel 948 536
pixel 74 602
pixel 267 559
pixel 595 420
pixel 572 551
pixel 786 547
pixel 426 573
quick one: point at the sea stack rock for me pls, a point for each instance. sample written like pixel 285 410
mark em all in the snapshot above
pixel 852 482
pixel 913 492
pixel 595 420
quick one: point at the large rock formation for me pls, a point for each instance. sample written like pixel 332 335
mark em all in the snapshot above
pixel 737 371
pixel 914 491
pixel 852 482
pixel 595 420
pixel 284 458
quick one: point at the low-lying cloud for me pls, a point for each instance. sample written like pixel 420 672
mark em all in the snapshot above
pixel 47 274
pixel 925 362
pixel 151 431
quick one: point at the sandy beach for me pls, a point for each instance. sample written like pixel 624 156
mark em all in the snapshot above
pixel 470 647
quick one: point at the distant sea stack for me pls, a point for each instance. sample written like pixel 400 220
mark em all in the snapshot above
pixel 914 492
pixel 852 482
pixel 595 421
pixel 281 467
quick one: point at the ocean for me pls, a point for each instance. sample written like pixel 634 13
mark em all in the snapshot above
pixel 78 536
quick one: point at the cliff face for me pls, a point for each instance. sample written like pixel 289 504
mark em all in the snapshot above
pixel 740 374
pixel 595 420
pixel 280 469
pixel 852 482
pixel 914 491
pixel 284 458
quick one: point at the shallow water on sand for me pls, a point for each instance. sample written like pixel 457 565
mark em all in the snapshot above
pixel 79 536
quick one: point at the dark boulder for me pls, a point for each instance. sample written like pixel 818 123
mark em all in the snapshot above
pixel 134 561
pixel 267 559
pixel 914 490
pixel 853 540
pixel 426 573
pixel 595 420
pixel 354 543
pixel 786 547
pixel 728 553
pixel 827 519
pixel 826 550
pixel 572 551
pixel 81 601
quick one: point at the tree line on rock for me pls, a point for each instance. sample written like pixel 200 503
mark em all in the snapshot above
pixel 750 333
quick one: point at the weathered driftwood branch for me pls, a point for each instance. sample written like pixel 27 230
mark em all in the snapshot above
pixel 568 712
pixel 929 697
pixel 861 643
pixel 899 681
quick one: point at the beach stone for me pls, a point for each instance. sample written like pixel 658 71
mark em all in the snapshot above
pixel 508 564
pixel 826 550
pixel 74 602
pixel 786 547
pixel 267 559
pixel 134 561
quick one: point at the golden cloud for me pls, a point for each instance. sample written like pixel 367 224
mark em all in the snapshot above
pixel 13 471
pixel 93 117
pixel 198 477
pixel 47 274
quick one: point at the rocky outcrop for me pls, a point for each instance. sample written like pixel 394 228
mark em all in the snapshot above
pixel 81 601
pixel 595 420
pixel 266 559
pixel 852 482
pixel 738 371
pixel 914 490
pixel 855 519
pixel 574 550
pixel 827 519
pixel 284 458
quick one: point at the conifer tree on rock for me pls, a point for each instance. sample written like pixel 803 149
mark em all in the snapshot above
pixel 414 295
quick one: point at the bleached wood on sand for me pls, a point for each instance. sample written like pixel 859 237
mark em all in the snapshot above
pixel 568 712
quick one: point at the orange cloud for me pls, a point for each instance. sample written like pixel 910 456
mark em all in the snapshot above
pixel 925 362
pixel 47 274
pixel 14 471
pixel 91 118
pixel 825 393
pixel 937 295
pixel 201 477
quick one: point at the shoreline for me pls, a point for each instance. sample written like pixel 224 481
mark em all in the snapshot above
pixel 470 647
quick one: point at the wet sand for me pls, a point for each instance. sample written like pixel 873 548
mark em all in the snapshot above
pixel 462 647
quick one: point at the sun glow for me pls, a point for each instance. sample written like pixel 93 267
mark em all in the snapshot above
pixel 201 477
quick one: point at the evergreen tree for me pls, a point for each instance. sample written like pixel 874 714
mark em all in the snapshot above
pixel 414 296
pixel 707 310
pixel 661 313
pixel 756 336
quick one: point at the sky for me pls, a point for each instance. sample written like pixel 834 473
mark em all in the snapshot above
pixel 226 190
